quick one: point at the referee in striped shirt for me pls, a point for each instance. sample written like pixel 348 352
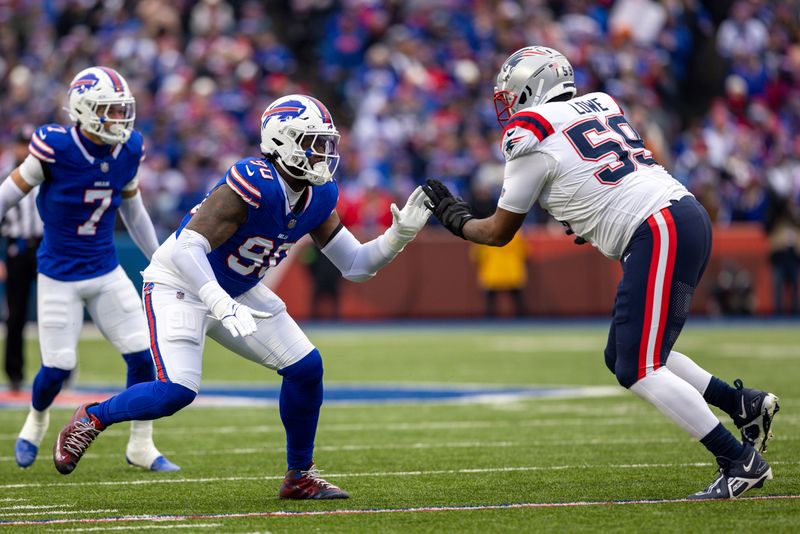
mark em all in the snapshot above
pixel 22 230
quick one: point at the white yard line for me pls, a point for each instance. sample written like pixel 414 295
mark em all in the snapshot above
pixel 139 527
pixel 52 512
pixel 507 469
pixel 35 506
pixel 372 511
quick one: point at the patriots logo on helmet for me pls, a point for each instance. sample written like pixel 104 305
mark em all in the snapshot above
pixel 288 109
pixel 84 83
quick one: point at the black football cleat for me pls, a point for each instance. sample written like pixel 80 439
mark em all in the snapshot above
pixel 748 471
pixel 753 415
pixel 75 438
pixel 299 484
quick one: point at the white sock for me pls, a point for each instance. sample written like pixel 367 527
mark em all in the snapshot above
pixel 678 400
pixel 141 450
pixel 684 367
pixel 35 426
pixel 141 432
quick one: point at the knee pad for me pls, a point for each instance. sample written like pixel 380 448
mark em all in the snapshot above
pixel 626 375
pixel 174 397
pixel 308 369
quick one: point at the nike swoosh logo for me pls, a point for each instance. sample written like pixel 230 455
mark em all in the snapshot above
pixel 744 411
pixel 249 172
pixel 43 135
pixel 750 463
pixel 624 259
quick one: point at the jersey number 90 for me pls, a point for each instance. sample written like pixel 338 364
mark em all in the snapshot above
pixel 257 253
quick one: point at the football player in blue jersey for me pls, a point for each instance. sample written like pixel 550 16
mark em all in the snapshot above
pixel 204 280
pixel 86 172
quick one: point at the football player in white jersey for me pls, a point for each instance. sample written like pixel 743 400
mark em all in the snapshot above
pixel 86 172
pixel 587 166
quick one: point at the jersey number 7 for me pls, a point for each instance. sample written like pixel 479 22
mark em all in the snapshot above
pixel 615 137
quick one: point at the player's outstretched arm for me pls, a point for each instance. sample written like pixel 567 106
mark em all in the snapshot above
pixel 12 190
pixel 358 262
pixel 456 216
pixel 216 220
pixel 137 221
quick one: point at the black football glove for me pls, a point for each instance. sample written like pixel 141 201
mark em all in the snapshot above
pixel 453 212
pixel 569 231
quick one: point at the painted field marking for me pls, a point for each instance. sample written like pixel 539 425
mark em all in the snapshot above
pixel 138 527
pixel 367 511
pixel 51 512
pixel 35 506
pixel 280 449
pixel 264 478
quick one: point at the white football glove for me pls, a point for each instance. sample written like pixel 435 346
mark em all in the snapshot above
pixel 238 319
pixel 406 223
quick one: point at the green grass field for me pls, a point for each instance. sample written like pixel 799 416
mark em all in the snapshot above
pixel 403 461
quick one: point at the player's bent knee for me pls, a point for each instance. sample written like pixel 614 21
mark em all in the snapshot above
pixel 62 359
pixel 611 360
pixel 174 397
pixel 137 341
pixel 308 369
pixel 626 376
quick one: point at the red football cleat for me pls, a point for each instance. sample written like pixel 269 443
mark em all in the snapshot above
pixel 75 438
pixel 308 484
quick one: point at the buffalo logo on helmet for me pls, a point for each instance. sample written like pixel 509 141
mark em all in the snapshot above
pixel 288 109
pixel 84 83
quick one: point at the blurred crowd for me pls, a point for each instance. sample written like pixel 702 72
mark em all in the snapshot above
pixel 713 87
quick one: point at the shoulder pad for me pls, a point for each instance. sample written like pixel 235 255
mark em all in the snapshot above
pixel 47 141
pixel 524 131
pixel 243 177
pixel 136 144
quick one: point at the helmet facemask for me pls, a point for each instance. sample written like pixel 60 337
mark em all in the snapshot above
pixel 314 157
pixel 110 120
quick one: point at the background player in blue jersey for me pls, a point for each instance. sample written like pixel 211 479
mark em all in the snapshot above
pixel 86 173
pixel 213 263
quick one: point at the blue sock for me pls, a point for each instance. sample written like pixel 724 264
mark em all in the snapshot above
pixel 720 394
pixel 300 401
pixel 140 367
pixel 721 443
pixel 144 401
pixel 46 386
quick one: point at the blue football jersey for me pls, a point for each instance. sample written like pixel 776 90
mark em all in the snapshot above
pixel 271 228
pixel 78 200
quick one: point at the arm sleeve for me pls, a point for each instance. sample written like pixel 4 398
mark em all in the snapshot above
pixel 10 195
pixel 32 171
pixel 190 256
pixel 139 225
pixel 524 180
pixel 358 262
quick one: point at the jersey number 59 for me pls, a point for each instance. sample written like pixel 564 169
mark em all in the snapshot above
pixel 594 141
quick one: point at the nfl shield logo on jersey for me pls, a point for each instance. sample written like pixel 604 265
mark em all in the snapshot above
pixel 104 166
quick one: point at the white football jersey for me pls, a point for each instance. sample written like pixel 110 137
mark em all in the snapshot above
pixel 587 167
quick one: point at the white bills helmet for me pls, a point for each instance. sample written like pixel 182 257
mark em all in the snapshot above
pixel 100 100
pixel 531 76
pixel 298 132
